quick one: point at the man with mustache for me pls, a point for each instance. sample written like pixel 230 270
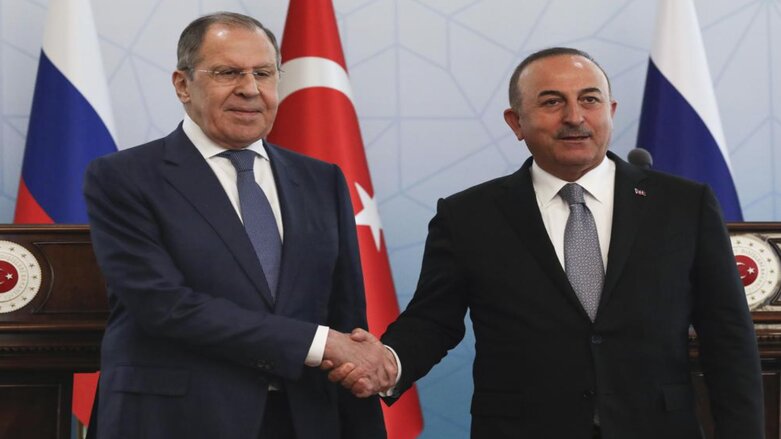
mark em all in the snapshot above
pixel 231 264
pixel 582 275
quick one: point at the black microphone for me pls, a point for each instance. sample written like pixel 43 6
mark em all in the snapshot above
pixel 641 158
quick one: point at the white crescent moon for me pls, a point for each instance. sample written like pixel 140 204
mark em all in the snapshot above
pixel 739 264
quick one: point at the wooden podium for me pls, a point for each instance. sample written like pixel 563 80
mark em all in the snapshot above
pixel 48 334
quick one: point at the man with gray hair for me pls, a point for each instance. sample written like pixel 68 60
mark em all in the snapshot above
pixel 232 265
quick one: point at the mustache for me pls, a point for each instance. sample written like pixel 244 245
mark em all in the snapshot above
pixel 564 132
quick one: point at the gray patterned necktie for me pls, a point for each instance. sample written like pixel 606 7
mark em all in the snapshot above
pixel 259 221
pixel 582 257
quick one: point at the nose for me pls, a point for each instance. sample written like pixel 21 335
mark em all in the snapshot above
pixel 247 85
pixel 573 114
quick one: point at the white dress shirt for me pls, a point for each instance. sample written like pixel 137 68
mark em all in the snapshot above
pixel 599 185
pixel 226 174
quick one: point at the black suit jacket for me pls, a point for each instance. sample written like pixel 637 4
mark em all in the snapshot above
pixel 541 366
pixel 194 336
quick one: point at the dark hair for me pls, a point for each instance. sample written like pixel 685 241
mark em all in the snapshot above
pixel 514 93
pixel 189 47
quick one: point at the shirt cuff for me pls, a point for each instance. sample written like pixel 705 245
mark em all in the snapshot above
pixel 392 391
pixel 316 351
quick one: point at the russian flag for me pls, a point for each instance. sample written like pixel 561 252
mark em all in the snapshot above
pixel 679 122
pixel 70 124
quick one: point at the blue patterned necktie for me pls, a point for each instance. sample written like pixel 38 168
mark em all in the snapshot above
pixel 582 257
pixel 259 221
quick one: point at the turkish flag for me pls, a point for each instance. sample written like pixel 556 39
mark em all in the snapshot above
pixel 317 117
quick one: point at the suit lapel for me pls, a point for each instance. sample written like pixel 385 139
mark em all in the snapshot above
pixel 293 206
pixel 519 204
pixel 187 171
pixel 628 207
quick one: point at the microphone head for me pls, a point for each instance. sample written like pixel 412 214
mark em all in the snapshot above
pixel 641 158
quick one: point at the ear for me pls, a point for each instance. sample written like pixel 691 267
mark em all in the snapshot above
pixel 613 105
pixel 511 117
pixel 181 85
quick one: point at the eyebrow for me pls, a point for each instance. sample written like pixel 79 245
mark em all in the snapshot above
pixel 265 65
pixel 259 66
pixel 560 94
pixel 591 90
pixel 550 93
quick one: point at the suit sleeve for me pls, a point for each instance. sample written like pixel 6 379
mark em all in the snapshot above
pixel 433 322
pixel 728 347
pixel 359 417
pixel 146 286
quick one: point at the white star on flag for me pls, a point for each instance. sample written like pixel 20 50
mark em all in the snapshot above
pixel 369 216
pixel 9 276
pixel 751 270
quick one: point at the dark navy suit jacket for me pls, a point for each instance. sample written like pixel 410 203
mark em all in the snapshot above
pixel 194 336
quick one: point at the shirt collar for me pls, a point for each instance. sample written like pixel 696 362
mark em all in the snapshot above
pixel 207 147
pixel 597 182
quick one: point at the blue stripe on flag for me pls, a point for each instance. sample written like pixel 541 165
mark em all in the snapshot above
pixel 681 143
pixel 64 135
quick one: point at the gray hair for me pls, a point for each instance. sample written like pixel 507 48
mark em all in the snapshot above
pixel 188 49
pixel 514 92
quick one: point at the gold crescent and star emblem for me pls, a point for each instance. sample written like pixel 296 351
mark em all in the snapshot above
pixel 20 276
pixel 759 267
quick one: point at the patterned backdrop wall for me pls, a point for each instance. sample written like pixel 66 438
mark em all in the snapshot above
pixel 429 80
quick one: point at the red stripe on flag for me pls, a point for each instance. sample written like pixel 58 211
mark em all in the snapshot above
pixel 310 30
pixel 84 387
pixel 331 133
pixel 28 211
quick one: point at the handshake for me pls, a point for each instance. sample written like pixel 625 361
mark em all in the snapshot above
pixel 359 362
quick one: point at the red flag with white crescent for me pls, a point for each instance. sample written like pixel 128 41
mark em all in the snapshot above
pixel 317 117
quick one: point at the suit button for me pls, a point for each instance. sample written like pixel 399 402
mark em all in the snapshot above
pixel 263 365
pixel 596 339
pixel 588 394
